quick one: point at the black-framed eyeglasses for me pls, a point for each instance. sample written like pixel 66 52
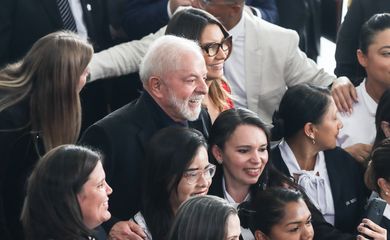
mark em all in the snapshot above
pixel 212 49
pixel 192 176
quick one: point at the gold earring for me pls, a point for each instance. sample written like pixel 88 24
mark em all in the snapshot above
pixel 312 139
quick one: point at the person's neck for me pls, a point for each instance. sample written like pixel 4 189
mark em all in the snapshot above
pixel 375 91
pixel 236 190
pixel 304 151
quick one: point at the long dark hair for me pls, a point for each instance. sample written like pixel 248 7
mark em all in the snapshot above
pixel 202 217
pixel 300 104
pixel 168 154
pixel 51 209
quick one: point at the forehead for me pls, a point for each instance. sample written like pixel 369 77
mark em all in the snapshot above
pixel 232 226
pixel 212 32
pixel 381 39
pixel 190 63
pixel 295 211
pixel 248 133
pixel 200 158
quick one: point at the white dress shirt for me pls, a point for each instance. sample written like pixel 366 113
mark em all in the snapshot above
pixel 359 127
pixel 245 232
pixel 235 65
pixel 77 11
pixel 315 183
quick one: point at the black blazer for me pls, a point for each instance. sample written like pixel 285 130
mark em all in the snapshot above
pixel 122 137
pixel 23 22
pixel 18 155
pixel 346 182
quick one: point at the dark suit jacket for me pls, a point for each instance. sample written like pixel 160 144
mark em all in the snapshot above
pixel 22 22
pixel 346 182
pixel 122 137
pixel 348 37
pixel 142 17
pixel 18 156
pixel 304 17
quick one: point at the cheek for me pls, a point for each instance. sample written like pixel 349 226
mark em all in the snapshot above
pixel 184 191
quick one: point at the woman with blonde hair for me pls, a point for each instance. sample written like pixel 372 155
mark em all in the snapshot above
pixel 39 110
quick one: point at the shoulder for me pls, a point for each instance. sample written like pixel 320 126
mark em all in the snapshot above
pixel 340 159
pixel 252 21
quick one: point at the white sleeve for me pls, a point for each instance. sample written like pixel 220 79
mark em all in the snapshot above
pixel 121 59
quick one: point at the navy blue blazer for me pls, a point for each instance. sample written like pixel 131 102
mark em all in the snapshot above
pixel 346 182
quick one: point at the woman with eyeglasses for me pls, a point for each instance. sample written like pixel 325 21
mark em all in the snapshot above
pixel 216 43
pixel 176 168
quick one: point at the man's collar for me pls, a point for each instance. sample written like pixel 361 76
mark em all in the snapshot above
pixel 239 29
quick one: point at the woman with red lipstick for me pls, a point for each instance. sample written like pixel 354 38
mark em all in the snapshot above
pixel 308 123
pixel 216 44
pixel 176 168
pixel 67 196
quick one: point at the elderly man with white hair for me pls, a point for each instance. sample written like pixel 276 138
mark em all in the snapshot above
pixel 173 73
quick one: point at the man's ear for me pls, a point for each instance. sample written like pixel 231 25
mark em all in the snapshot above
pixel 385 126
pixel 154 86
pixel 259 235
pixel 361 58
pixel 217 153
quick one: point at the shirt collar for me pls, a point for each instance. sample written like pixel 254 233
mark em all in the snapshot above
pixel 230 198
pixel 238 30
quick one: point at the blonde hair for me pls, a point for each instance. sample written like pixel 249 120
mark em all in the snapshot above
pixel 218 94
pixel 48 78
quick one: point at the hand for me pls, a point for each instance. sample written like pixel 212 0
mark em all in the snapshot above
pixel 174 4
pixel 372 230
pixel 344 94
pixel 359 151
pixel 126 230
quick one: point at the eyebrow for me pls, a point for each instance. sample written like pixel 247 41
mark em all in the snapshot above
pixel 249 146
pixel 298 222
pixel 194 169
pixel 384 47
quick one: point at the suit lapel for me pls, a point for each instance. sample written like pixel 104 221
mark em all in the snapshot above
pixel 253 59
pixel 334 180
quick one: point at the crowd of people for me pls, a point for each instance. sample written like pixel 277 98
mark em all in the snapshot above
pixel 236 132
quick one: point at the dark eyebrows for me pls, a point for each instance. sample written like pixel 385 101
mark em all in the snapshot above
pixel 384 47
pixel 194 169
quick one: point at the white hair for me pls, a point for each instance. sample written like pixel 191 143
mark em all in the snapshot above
pixel 165 55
